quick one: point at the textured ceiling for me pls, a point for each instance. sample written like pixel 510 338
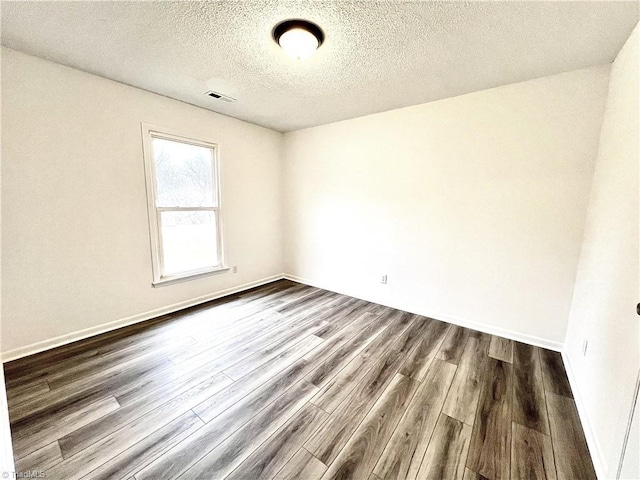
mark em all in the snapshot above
pixel 377 55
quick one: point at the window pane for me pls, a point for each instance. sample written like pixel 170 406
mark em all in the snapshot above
pixel 183 172
pixel 188 241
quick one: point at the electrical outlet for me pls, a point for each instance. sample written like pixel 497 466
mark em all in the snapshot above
pixel 234 269
pixel 585 344
pixel 383 279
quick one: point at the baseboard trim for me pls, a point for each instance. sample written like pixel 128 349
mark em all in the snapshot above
pixel 599 463
pixel 482 327
pixel 125 322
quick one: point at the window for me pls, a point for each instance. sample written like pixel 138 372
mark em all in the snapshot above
pixel 183 192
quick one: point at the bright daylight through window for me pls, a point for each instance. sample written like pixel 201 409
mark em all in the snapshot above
pixel 184 206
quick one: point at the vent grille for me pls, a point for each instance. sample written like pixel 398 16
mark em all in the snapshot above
pixel 220 96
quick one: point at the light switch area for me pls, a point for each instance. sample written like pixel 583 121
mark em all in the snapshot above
pixel 383 279
pixel 234 269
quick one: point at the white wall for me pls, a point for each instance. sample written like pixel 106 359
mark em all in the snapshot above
pixel 75 245
pixel 6 451
pixel 473 206
pixel 607 287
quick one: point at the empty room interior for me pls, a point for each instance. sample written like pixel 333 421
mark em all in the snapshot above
pixel 309 240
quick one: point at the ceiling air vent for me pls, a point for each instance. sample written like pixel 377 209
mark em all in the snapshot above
pixel 220 96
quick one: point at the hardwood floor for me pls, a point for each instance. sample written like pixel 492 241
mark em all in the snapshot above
pixel 287 381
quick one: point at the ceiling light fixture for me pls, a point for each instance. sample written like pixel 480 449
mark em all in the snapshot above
pixel 298 38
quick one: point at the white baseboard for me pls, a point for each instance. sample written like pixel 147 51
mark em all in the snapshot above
pixel 106 327
pixel 599 462
pixel 124 322
pixel 482 327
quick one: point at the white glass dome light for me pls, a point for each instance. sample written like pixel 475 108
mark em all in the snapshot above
pixel 298 38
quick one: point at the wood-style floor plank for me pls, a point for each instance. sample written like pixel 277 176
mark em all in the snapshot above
pixel 490 449
pixel 463 397
pixel 363 333
pixel 569 443
pixel 110 448
pixel 192 386
pixel 358 458
pixel 156 384
pixel 88 459
pixel 36 436
pixel 302 465
pixel 340 388
pixel 404 452
pixel 447 452
pixel 317 384
pixel 223 459
pixel 419 359
pixel 86 391
pixel 501 349
pixel 332 436
pixel 471 475
pixel 531 454
pixel 18 395
pixel 40 460
pixel 282 372
pixel 246 365
pixel 147 449
pixel 453 345
pixel 274 454
pixel 340 315
pixel 247 417
pixel 553 373
pixel 529 405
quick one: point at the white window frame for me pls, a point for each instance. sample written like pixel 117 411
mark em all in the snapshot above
pixel 149 132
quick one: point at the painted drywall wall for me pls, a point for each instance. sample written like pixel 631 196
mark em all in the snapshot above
pixel 75 236
pixel 473 206
pixel 607 288
pixel 6 450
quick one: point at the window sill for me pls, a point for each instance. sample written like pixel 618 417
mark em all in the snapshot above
pixel 189 276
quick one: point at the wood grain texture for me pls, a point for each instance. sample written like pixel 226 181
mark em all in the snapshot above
pixel 364 333
pixel 375 393
pixel 340 388
pixel 501 349
pixel 332 436
pixel 553 373
pixel 529 405
pixel 274 454
pixel 471 475
pixel 128 436
pixel 453 345
pixel 228 455
pixel 26 392
pixel 359 456
pixel 490 449
pixel 404 452
pixel 246 365
pixel 569 444
pixel 302 465
pixel 29 439
pixel 531 454
pixel 419 359
pixel 254 411
pixel 245 390
pixel 185 395
pixel 447 453
pixel 40 460
pixel 147 449
pixel 463 397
